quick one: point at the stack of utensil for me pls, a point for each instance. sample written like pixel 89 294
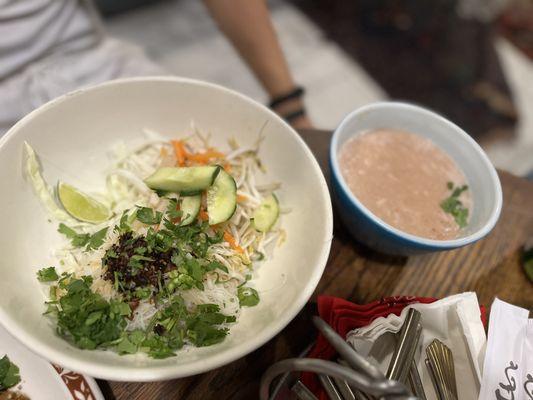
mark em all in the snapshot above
pixel 441 368
pixel 356 378
pixel 403 365
pixel 360 375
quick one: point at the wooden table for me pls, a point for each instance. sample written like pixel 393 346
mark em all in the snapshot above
pixel 490 267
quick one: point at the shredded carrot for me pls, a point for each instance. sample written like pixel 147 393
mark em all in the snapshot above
pixel 227 167
pixel 241 198
pixel 203 215
pixel 204 158
pixel 231 240
pixel 163 152
pixel 179 150
pixel 214 153
pixel 198 159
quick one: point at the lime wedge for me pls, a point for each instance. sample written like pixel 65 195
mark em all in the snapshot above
pixel 80 205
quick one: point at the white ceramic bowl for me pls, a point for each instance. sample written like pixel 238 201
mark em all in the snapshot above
pixel 73 135
pixel 483 181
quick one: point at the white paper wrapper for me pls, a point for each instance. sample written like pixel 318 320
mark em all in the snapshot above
pixel 454 320
pixel 508 368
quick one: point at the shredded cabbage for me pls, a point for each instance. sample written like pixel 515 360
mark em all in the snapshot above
pixel 42 190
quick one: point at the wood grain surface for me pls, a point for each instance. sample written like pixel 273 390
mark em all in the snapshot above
pixel 490 267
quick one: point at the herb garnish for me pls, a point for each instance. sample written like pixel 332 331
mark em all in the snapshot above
pixel 97 239
pixel 125 222
pixel 130 342
pixel 92 242
pixel 85 317
pixel 190 273
pixel 172 326
pixel 91 322
pixel 452 205
pixel 172 210
pixel 248 297
pixel 141 267
pixel 47 275
pixel 9 374
pixel 148 216
pixel 173 257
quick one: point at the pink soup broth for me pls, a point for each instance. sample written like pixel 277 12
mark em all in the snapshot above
pixel 402 179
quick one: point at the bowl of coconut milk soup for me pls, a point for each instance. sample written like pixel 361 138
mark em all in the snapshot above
pixel 407 181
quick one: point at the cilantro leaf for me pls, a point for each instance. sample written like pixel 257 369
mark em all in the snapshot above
pixel 130 342
pixel 230 318
pixel 452 205
pixel 174 323
pixel 143 293
pixel 9 373
pixel 248 297
pixel 194 269
pixel 148 216
pixel 213 265
pixel 125 346
pixel 136 337
pixel 202 325
pixel 47 275
pixel 86 318
pixel 97 239
pixel 166 330
pixel 172 210
pixel 207 308
pixel 202 334
pixel 160 347
pixel 77 239
pixel 92 242
pixel 124 223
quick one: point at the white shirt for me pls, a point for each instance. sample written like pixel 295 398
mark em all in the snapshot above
pixel 31 29
pixel 51 47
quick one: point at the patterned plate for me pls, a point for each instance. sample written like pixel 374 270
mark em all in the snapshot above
pixel 41 380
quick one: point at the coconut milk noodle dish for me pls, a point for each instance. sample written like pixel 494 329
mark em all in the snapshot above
pixel 408 182
pixel 161 258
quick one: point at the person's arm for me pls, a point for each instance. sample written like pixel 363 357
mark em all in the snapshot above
pixel 247 24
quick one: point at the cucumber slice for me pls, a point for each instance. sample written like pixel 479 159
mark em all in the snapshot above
pixel 183 179
pixel 190 207
pixel 266 215
pixel 221 198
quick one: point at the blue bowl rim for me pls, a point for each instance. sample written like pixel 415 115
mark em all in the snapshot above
pixel 417 240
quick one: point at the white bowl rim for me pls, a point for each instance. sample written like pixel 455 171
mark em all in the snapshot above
pixel 103 371
pixel 437 244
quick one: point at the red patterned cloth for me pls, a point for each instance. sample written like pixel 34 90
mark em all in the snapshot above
pixel 344 316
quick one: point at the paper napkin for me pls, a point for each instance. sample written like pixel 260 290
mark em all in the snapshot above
pixel 508 367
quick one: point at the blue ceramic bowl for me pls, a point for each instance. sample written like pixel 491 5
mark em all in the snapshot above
pixel 483 181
